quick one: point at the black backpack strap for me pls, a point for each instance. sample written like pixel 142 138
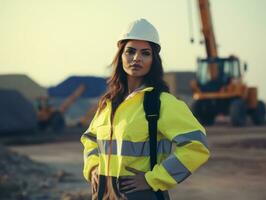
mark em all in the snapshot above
pixel 152 111
pixel 152 106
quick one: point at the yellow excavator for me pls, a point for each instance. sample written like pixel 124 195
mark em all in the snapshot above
pixel 219 87
pixel 49 116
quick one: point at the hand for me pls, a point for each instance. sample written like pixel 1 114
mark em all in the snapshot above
pixel 133 183
pixel 94 179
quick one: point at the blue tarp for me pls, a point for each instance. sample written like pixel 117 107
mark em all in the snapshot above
pixel 95 86
pixel 17 114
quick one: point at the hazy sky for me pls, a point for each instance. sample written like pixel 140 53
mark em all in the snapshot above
pixel 52 39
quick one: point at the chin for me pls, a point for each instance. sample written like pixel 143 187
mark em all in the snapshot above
pixel 136 75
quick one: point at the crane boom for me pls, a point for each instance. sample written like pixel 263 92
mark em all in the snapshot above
pixel 207 28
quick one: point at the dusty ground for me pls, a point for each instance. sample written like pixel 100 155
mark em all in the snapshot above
pixel 236 170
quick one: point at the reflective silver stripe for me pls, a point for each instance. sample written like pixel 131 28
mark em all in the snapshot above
pixel 136 149
pixel 90 136
pixel 103 146
pixel 176 169
pixel 164 146
pixel 186 138
pixel 93 152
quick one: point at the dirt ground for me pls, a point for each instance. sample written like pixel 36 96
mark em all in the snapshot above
pixel 236 169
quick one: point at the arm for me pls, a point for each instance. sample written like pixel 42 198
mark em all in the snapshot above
pixel 178 124
pixel 90 152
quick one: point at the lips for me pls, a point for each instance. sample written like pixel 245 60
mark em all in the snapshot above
pixel 136 66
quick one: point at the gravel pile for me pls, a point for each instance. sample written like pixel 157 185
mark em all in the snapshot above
pixel 22 178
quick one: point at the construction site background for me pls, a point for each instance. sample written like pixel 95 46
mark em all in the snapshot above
pixel 47 163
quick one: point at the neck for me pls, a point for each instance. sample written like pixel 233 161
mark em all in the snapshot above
pixel 133 83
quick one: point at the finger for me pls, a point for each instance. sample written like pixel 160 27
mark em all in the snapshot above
pixel 93 185
pixel 133 170
pixel 132 190
pixel 94 189
pixel 127 188
pixel 95 180
pixel 126 178
pixel 128 182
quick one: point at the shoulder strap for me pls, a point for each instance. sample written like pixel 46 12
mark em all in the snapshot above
pixel 152 106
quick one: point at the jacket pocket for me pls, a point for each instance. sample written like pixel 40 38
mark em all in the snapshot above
pixel 103 132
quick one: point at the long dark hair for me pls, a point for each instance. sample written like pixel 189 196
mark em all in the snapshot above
pixel 117 83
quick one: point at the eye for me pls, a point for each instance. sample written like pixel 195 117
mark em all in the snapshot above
pixel 130 52
pixel 146 53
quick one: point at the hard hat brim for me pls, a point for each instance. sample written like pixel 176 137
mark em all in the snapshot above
pixel 140 39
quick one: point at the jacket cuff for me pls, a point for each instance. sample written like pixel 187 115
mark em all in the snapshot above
pixel 149 176
pixel 92 162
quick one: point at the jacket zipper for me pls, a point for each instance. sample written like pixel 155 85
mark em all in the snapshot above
pixel 111 134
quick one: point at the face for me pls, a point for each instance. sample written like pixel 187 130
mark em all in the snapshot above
pixel 137 58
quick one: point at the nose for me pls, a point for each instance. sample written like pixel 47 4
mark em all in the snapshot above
pixel 137 57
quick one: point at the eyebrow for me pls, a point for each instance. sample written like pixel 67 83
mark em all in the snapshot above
pixel 141 49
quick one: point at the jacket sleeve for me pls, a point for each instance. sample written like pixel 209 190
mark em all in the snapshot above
pixel 90 152
pixel 178 124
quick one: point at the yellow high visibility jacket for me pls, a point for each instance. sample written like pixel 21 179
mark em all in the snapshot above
pixel 129 144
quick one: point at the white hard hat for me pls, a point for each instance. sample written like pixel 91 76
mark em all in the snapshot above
pixel 140 29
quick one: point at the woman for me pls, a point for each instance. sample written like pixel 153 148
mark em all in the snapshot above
pixel 116 144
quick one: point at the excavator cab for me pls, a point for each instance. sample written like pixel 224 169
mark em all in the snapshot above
pixel 215 73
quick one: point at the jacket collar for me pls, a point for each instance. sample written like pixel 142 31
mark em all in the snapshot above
pixel 142 88
pixel 147 89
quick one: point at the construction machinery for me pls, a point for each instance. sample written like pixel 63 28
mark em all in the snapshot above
pixel 87 118
pixel 219 87
pixel 49 116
